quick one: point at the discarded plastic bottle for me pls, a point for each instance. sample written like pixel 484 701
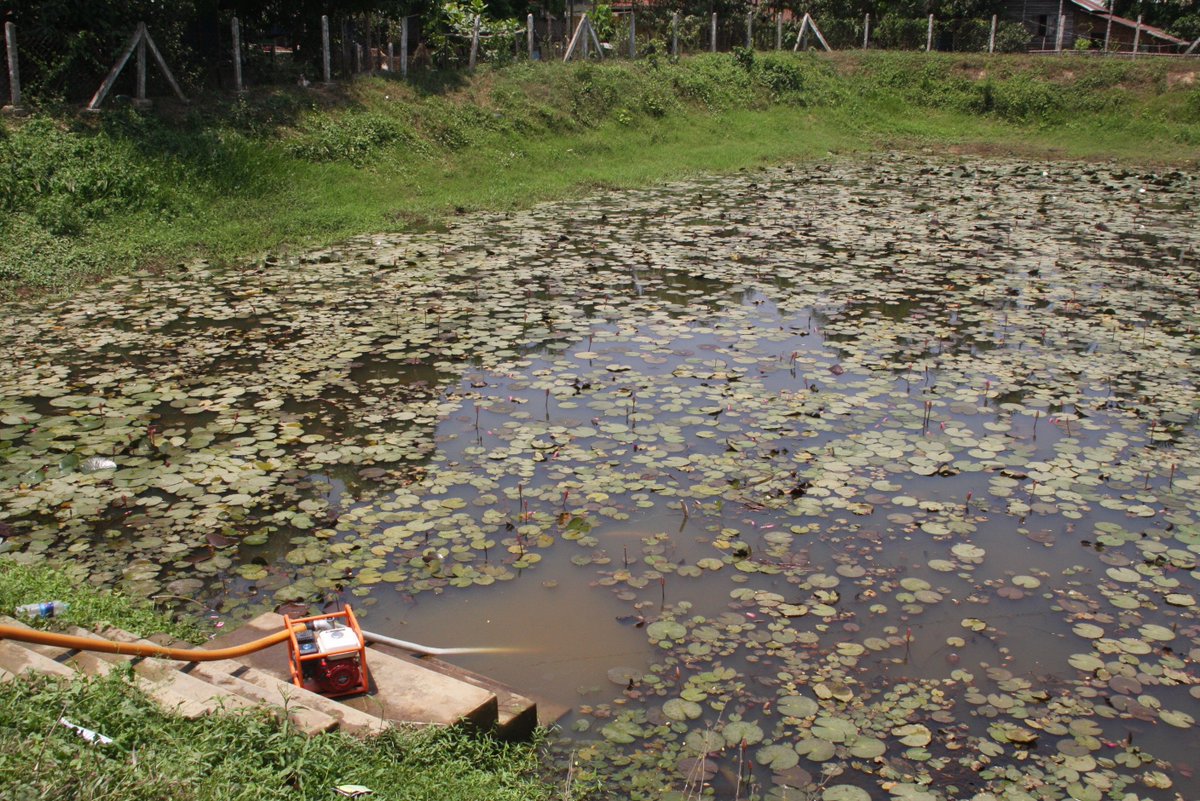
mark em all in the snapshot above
pixel 47 609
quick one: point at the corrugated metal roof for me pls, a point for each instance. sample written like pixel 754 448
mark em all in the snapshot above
pixel 1101 11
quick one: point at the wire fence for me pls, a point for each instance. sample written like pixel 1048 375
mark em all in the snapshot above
pixel 228 54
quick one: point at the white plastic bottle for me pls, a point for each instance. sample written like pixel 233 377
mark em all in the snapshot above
pixel 47 609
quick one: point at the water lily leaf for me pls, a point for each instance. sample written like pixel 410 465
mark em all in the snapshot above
pixel 680 709
pixel 845 792
pixel 742 732
pixel 777 757
pixel 796 706
pixel 816 749
pixel 1181 720
pixel 867 748
pixel 913 734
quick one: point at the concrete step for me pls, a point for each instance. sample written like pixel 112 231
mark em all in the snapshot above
pixel 309 712
pixel 300 712
pixel 402 691
pixel 517 716
pixel 15 659
pixel 174 691
pixel 268 689
pixel 90 663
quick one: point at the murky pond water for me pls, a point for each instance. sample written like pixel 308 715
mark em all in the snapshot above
pixel 871 479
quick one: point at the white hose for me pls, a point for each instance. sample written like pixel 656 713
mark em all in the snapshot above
pixel 426 650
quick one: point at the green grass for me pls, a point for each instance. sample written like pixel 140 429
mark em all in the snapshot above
pixel 159 757
pixel 289 168
pixel 89 606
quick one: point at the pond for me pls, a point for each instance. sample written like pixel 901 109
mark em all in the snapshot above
pixel 851 480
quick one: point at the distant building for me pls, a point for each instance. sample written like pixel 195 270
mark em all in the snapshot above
pixel 1087 21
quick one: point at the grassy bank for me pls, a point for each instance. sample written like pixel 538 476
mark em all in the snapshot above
pixel 159 756
pixel 227 180
pixel 155 756
pixel 90 607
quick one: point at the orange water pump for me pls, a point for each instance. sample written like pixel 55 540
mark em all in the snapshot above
pixel 327 653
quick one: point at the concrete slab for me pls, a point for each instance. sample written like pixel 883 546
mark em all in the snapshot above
pixel 16 659
pixel 517 715
pixel 402 692
pixel 177 692
pixel 300 714
pixel 273 690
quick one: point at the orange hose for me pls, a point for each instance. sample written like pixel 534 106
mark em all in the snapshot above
pixel 141 649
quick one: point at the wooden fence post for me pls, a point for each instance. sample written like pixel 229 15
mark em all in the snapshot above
pixel 929 36
pixel 14 73
pixel 866 31
pixel 474 43
pixel 236 29
pixel 325 50
pixel 404 48
pixel 675 34
pixel 1058 40
pixel 529 35
pixel 1137 36
pixel 779 31
pixel 713 34
pixel 992 38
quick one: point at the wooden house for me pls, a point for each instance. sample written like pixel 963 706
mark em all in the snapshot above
pixel 1086 26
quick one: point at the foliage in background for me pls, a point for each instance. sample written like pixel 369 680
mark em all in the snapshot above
pixel 234 757
pixel 68 47
pixel 450 30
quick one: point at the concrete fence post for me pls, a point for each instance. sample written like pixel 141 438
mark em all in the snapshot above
pixel 779 31
pixel 140 100
pixel 929 36
pixel 529 35
pixel 749 30
pixel 14 72
pixel 391 62
pixel 992 38
pixel 866 31
pixel 325 73
pixel 675 34
pixel 713 33
pixel 1062 29
pixel 632 33
pixel 404 48
pixel 1137 36
pixel 474 44
pixel 236 30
